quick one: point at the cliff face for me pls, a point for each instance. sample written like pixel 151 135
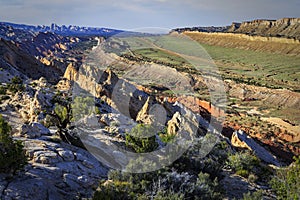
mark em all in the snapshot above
pixel 286 27
pixel 18 63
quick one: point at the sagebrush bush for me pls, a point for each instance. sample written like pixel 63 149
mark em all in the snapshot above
pixel 12 155
pixel 194 159
pixel 243 162
pixel 168 185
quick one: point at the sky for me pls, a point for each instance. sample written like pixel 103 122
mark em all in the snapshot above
pixel 135 14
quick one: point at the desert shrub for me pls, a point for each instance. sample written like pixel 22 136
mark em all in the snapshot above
pixel 83 106
pixel 61 112
pixel 113 190
pixel 194 160
pixel 207 188
pixel 124 185
pixel 165 137
pixel 252 178
pixel 16 80
pixel 48 121
pixel 4 97
pixel 141 164
pixel 243 162
pixel 16 85
pixel 253 196
pixel 163 195
pixel 182 180
pixel 12 157
pixel 3 90
pixel 242 172
pixel 187 185
pixel 97 111
pixel 75 110
pixel 265 173
pixel 286 183
pixel 138 139
pixel 157 185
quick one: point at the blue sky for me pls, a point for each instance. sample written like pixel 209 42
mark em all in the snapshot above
pixel 130 14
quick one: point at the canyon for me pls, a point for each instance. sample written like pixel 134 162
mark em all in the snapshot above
pixel 47 68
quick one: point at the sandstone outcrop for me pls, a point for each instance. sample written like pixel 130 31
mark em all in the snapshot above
pixel 33 101
pixel 55 171
pixel 34 130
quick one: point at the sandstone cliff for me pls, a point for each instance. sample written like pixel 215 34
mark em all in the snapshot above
pixel 286 27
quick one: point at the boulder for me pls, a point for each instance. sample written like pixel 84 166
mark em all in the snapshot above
pixel 235 186
pixel 67 155
pixel 242 140
pixel 46 157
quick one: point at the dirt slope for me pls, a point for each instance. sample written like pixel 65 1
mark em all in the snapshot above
pixel 242 41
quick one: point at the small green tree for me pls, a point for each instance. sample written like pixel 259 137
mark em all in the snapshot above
pixel 286 183
pixel 61 117
pixel 138 140
pixel 12 155
pixel 67 111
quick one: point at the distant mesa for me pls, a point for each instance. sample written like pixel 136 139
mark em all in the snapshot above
pixel 286 28
pixel 64 30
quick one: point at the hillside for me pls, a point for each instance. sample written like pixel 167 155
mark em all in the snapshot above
pixel 241 41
